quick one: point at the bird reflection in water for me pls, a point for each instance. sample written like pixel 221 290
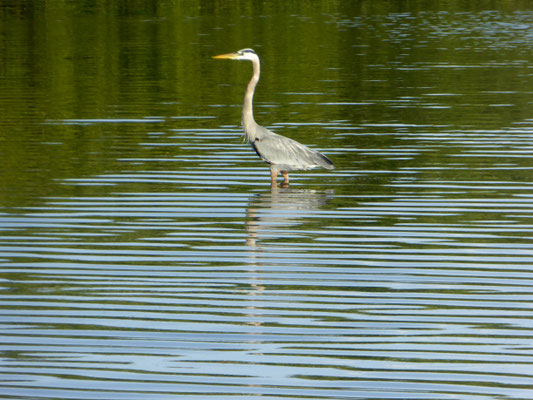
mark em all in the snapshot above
pixel 271 214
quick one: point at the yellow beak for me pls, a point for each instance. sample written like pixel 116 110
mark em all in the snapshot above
pixel 228 55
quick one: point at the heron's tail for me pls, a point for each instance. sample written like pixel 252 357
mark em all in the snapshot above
pixel 325 162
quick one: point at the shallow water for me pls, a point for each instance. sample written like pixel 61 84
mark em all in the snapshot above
pixel 144 255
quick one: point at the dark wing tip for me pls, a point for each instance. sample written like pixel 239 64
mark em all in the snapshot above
pixel 326 162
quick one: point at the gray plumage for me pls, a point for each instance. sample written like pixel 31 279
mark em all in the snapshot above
pixel 287 154
pixel 282 153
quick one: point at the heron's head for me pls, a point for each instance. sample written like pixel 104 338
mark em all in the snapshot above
pixel 244 54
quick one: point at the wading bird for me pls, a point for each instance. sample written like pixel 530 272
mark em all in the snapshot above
pixel 283 154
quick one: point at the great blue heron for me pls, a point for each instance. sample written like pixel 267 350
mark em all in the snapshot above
pixel 283 154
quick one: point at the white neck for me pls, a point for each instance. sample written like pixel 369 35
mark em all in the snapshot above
pixel 248 122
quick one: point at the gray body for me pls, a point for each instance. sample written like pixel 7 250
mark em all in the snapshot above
pixel 285 154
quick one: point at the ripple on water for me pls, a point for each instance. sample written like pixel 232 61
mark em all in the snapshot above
pixel 209 284
pixel 273 293
pixel 405 273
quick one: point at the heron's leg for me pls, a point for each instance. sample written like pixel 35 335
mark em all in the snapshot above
pixel 273 176
pixel 285 177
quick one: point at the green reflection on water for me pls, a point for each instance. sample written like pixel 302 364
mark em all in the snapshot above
pixel 427 64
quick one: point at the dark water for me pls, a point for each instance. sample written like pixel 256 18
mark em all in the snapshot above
pixel 144 256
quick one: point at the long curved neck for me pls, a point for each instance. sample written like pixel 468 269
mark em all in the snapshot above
pixel 248 122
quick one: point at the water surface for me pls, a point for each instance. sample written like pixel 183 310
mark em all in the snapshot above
pixel 144 256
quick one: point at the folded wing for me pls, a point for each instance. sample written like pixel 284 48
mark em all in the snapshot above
pixel 288 154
